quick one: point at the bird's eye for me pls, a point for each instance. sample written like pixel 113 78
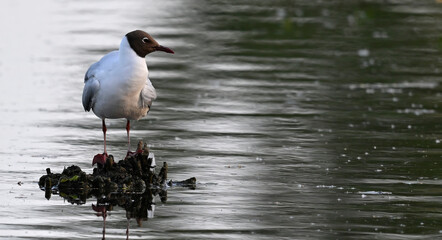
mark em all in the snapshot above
pixel 145 39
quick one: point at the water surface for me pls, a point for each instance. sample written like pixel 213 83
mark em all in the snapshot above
pixel 299 119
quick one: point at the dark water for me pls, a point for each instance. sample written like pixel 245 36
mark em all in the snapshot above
pixel 299 119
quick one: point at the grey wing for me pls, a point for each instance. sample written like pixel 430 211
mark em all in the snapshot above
pixel 90 90
pixel 92 78
pixel 91 86
pixel 147 95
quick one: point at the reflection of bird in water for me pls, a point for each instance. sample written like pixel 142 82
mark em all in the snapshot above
pixel 140 207
pixel 118 86
pixel 101 211
pixel 127 228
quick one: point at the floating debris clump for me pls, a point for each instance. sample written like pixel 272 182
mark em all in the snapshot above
pixel 134 174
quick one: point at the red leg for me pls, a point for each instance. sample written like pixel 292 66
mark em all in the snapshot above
pixel 129 153
pixel 104 134
pixel 101 158
pixel 128 137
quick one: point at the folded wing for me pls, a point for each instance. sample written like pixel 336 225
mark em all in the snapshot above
pixel 147 95
pixel 93 77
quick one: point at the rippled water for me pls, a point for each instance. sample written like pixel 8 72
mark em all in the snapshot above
pixel 299 119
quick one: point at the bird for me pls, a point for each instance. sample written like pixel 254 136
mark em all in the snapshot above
pixel 118 85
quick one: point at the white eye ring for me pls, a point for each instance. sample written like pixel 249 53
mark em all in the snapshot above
pixel 145 39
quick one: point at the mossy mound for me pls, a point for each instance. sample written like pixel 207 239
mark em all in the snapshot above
pixel 134 174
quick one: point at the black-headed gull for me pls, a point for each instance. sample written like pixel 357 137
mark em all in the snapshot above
pixel 118 86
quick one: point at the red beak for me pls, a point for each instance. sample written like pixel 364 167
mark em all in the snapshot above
pixel 164 49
